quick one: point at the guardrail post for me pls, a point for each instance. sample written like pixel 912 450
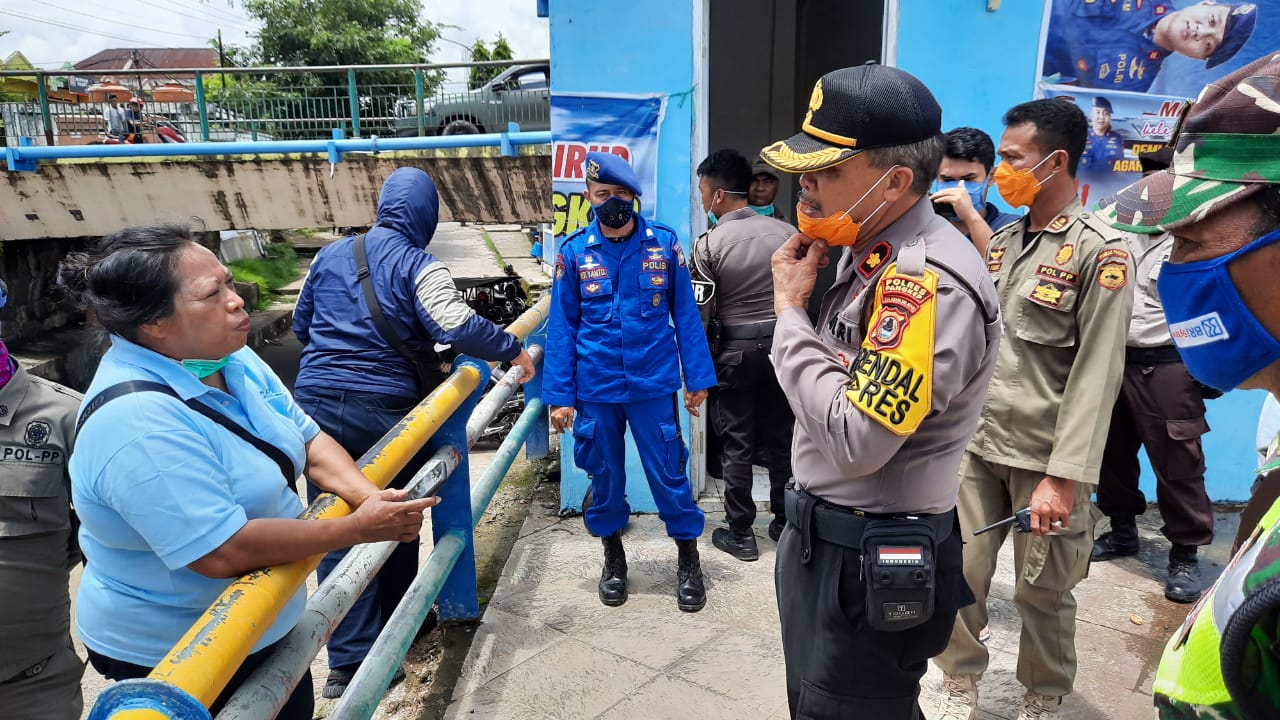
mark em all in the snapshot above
pixel 16 162
pixel 42 87
pixel 509 150
pixel 354 98
pixel 335 155
pixel 538 443
pixel 418 100
pixel 457 597
pixel 202 107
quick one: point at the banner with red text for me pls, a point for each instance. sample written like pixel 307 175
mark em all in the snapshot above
pixel 626 126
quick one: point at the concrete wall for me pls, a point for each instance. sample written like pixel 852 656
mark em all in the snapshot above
pixel 275 192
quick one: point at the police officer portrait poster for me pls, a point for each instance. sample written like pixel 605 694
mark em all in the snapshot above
pixel 626 126
pixel 1132 65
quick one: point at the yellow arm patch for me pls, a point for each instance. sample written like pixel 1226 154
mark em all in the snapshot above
pixel 893 372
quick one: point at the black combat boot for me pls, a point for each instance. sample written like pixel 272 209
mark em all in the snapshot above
pixel 691 594
pixel 738 543
pixel 613 576
pixel 776 526
pixel 1121 541
pixel 1183 585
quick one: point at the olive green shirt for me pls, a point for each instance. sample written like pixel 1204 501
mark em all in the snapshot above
pixel 37 426
pixel 1066 295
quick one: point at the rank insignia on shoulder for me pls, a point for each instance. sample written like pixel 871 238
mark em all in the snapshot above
pixel 874 258
pixel 1059 224
pixel 994 266
pixel 996 254
pixel 1113 275
pixel 1064 254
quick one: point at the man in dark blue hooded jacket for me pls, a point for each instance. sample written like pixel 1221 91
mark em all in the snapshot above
pixel 356 385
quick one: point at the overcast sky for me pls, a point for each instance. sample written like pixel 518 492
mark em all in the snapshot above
pixel 51 33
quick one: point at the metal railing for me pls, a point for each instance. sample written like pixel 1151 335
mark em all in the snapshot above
pixel 200 665
pixel 24 157
pixel 285 103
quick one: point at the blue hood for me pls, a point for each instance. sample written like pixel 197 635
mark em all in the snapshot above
pixel 410 205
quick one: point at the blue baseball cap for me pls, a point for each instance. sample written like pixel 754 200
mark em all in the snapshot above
pixel 1237 31
pixel 610 169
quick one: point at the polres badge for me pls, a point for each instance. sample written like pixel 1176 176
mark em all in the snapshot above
pixel 887 327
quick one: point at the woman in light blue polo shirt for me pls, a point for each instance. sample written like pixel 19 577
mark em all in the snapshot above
pixel 172 505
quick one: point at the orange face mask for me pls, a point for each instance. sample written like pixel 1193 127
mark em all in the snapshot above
pixel 1019 187
pixel 838 229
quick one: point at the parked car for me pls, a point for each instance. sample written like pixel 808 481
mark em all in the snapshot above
pixel 521 94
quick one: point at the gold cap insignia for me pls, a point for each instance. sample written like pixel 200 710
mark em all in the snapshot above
pixel 593 170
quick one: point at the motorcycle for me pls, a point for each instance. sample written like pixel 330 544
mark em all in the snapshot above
pixel 500 300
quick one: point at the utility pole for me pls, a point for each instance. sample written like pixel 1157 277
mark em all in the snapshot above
pixel 222 61
pixel 133 60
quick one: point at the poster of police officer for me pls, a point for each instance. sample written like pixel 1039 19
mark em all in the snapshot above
pixel 1132 65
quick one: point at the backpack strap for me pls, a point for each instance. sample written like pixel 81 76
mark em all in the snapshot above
pixel 132 386
pixel 428 375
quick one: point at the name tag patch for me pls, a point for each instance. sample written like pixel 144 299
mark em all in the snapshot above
pixel 593 273
pixel 1056 273
pixel 42 456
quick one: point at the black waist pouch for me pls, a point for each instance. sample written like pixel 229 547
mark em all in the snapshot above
pixel 899 562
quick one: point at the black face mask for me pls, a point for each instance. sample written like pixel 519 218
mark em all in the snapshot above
pixel 614 212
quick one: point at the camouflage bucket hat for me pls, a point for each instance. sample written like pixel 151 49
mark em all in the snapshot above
pixel 1226 148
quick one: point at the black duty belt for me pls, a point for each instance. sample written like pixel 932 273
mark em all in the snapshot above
pixel 845 526
pixel 1162 355
pixel 750 331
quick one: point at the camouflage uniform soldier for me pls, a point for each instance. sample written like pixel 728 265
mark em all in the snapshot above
pixel 1063 279
pixel 1221 202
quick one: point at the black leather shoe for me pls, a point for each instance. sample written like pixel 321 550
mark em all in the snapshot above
pixel 691 594
pixel 1183 585
pixel 741 545
pixel 613 576
pixel 776 525
pixel 1121 541
pixel 339 678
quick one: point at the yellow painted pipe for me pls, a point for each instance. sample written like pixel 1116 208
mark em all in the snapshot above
pixel 203 661
pixel 139 715
pixel 531 319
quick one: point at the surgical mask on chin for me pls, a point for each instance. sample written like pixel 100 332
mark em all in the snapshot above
pixel 766 210
pixel 838 229
pixel 204 368
pixel 615 212
pixel 1019 187
pixel 1221 342
pixel 977 193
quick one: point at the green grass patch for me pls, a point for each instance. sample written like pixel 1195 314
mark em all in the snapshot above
pixel 270 273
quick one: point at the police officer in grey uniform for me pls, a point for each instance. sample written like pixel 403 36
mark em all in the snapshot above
pixel 886 391
pixel 748 410
pixel 39 670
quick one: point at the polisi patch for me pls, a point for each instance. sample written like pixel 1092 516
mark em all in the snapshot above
pixel 892 374
pixel 1199 331
pixel 654 265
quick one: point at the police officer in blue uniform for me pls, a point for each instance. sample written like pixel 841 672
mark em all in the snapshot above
pixel 1104 146
pixel 1113 45
pixel 623 326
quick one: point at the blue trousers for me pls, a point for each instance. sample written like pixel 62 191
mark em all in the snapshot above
pixel 599 448
pixel 357 420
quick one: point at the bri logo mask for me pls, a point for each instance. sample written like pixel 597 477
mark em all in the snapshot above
pixel 1221 342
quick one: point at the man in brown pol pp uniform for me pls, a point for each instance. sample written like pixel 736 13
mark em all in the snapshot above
pixel 1064 282
pixel 886 392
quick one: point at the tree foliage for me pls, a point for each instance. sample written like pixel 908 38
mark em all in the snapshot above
pixel 480 52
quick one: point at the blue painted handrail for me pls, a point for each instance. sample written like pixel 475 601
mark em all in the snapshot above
pixel 23 158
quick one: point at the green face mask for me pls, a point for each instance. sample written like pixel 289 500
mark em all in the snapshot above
pixel 766 210
pixel 204 368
